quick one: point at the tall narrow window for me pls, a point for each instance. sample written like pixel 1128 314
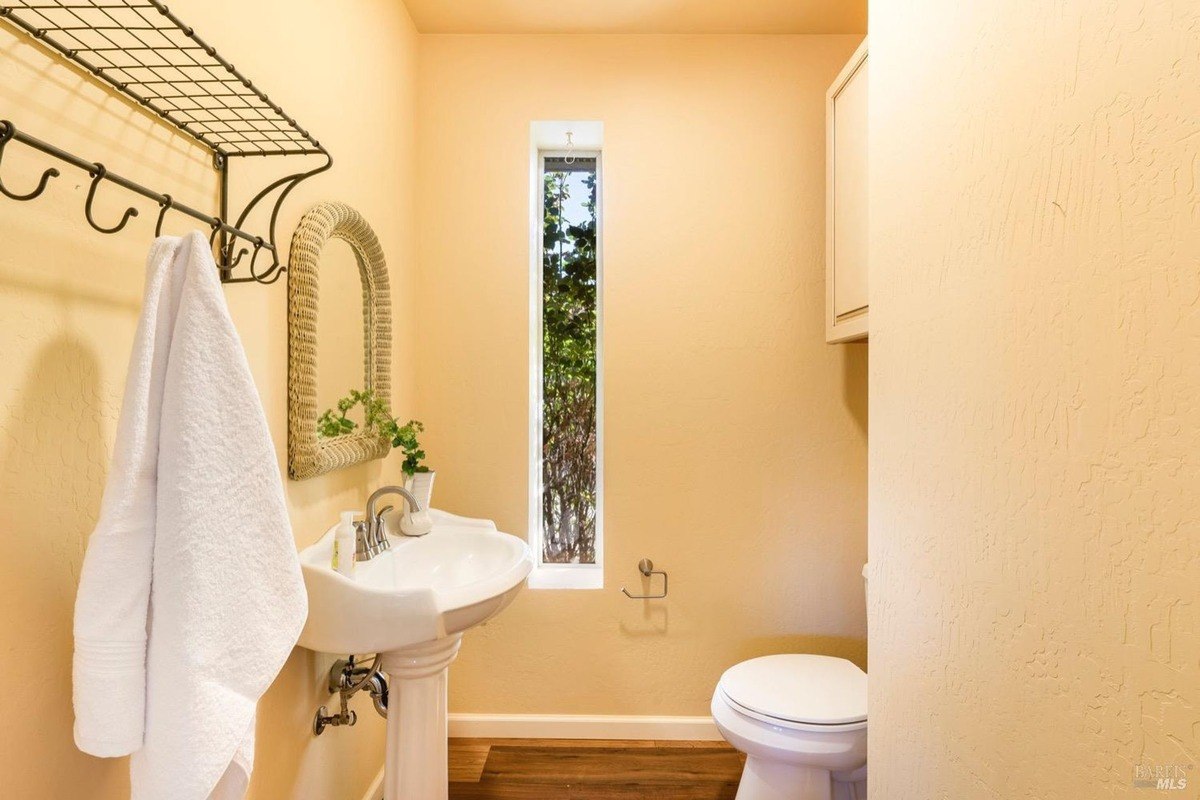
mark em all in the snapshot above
pixel 568 384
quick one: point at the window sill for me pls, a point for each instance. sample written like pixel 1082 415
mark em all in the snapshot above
pixel 567 576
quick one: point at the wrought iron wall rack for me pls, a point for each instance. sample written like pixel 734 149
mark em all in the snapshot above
pixel 155 60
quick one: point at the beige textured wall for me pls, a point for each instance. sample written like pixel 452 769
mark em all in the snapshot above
pixel 1035 319
pixel 69 299
pixel 735 438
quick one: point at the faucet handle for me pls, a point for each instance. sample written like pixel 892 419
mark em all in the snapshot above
pixel 379 514
pixel 363 549
pixel 381 539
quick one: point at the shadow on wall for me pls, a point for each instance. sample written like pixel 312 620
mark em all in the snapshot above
pixel 655 618
pixel 52 475
pixel 85 111
pixel 277 759
pixel 54 465
pixel 854 382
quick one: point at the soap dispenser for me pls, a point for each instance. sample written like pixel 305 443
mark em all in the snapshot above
pixel 344 545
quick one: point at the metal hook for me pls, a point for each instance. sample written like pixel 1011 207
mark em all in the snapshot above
pixel 98 172
pixel 7 132
pixel 646 567
pixel 165 205
pixel 272 272
pixel 258 244
pixel 570 158
pixel 216 228
pixel 233 262
pixel 277 271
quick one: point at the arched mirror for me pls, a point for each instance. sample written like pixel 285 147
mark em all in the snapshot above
pixel 339 336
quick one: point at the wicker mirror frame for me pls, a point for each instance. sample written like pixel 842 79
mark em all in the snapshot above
pixel 310 455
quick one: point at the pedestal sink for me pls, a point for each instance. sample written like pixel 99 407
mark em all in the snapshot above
pixel 412 604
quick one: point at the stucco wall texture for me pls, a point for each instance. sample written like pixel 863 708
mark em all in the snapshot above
pixel 1035 397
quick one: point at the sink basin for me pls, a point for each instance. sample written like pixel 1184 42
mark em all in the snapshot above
pixel 411 605
pixel 460 574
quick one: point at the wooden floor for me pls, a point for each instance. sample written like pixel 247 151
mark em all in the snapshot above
pixel 567 769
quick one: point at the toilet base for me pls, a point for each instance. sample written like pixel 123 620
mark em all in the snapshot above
pixel 850 785
pixel 776 780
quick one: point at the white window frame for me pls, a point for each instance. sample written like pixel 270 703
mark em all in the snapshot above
pixel 547 139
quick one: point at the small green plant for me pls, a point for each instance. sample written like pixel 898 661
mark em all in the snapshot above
pixel 376 418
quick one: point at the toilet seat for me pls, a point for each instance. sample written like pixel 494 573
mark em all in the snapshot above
pixel 799 692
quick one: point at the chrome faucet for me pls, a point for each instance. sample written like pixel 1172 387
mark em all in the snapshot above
pixel 372 539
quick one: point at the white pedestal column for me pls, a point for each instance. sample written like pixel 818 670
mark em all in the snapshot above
pixel 415 767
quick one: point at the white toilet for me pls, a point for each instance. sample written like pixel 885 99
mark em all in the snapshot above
pixel 801 720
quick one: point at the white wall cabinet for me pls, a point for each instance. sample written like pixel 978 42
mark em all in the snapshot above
pixel 846 202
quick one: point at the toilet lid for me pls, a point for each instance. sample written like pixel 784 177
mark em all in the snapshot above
pixel 818 690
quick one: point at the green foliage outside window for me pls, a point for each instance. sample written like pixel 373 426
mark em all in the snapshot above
pixel 569 371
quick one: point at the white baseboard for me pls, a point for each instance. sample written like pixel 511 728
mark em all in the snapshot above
pixel 577 726
pixel 376 790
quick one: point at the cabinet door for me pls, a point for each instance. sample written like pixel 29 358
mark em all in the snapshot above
pixel 846 203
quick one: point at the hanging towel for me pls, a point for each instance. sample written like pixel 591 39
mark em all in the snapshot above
pixel 191 596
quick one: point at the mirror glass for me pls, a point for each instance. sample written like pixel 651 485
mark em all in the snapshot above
pixel 340 365
pixel 339 337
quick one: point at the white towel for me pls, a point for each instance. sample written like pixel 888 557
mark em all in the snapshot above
pixel 191 596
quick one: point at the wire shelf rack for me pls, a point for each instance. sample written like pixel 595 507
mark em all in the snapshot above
pixel 144 51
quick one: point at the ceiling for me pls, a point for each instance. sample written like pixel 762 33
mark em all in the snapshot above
pixel 639 16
